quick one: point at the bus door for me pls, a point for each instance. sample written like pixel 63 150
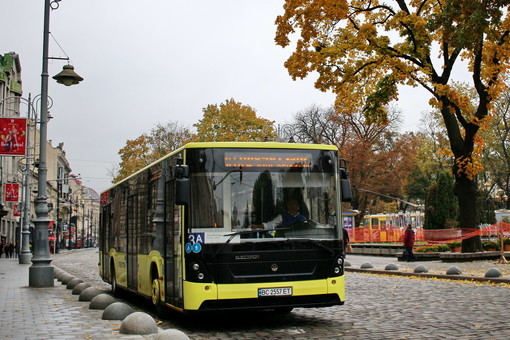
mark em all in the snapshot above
pixel 132 258
pixel 173 258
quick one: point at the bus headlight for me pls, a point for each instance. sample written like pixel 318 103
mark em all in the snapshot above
pixel 338 267
pixel 197 272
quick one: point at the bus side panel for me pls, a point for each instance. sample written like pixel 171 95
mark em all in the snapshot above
pixel 119 260
pixel 144 275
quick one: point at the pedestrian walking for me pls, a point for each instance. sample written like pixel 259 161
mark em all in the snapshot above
pixel 16 250
pixel 346 241
pixel 409 237
pixel 11 250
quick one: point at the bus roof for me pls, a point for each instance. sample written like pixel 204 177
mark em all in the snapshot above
pixel 248 145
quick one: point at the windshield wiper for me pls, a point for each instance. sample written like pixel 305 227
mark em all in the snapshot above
pixel 234 234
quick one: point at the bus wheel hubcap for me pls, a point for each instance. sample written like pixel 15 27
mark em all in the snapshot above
pixel 155 291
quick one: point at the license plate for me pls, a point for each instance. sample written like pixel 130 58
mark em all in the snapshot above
pixel 284 291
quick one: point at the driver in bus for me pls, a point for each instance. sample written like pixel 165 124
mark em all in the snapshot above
pixel 290 216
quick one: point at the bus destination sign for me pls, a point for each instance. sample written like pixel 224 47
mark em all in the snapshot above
pixel 267 160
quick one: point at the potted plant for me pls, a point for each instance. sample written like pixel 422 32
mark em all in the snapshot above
pixel 442 248
pixel 490 246
pixel 455 246
pixel 506 244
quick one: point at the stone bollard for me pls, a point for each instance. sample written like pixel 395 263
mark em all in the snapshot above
pixel 67 279
pixel 347 263
pixel 73 283
pixel 61 276
pixel 80 287
pixel 453 271
pixel 169 334
pixel 391 266
pixel 420 269
pixel 138 323
pixel 89 293
pixel 493 272
pixel 117 311
pixel 101 301
pixel 56 271
pixel 366 265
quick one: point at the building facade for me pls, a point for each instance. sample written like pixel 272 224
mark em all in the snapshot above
pixel 68 199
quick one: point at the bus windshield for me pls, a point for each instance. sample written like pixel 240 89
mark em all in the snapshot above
pixel 259 195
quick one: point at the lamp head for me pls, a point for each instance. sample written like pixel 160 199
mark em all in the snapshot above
pixel 67 76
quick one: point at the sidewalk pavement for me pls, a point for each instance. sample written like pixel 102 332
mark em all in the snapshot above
pixel 47 313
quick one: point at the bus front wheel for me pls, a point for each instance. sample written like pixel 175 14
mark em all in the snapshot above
pixel 156 292
pixel 156 297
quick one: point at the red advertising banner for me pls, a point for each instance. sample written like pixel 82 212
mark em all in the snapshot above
pixel 103 200
pixel 11 192
pixel 16 211
pixel 13 136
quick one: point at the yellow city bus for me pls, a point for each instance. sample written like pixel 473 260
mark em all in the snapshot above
pixel 195 230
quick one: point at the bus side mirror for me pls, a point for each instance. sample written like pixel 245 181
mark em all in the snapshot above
pixel 182 183
pixel 345 186
pixel 346 190
pixel 182 191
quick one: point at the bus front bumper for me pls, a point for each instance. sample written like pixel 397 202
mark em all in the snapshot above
pixel 314 293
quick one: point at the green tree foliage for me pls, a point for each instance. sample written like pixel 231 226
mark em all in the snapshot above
pixel 233 122
pixel 416 185
pixel 486 208
pixel 430 221
pixel 441 205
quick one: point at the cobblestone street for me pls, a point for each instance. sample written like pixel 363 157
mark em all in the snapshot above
pixel 377 307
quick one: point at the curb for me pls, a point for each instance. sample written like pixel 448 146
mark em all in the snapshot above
pixel 430 275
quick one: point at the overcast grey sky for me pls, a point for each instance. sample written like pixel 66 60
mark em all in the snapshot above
pixel 146 62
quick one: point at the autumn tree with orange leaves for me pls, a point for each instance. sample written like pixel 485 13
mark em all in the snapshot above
pixel 378 157
pixel 363 50
pixel 149 147
pixel 233 122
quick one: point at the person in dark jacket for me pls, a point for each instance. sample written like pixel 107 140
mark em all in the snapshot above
pixel 409 238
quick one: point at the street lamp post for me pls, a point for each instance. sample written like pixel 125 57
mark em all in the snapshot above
pixel 40 274
pixel 25 254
